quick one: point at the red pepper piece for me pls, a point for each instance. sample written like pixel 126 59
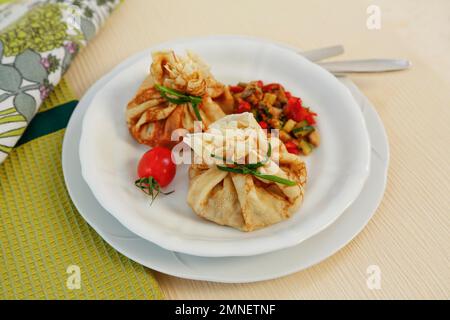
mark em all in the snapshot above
pixel 236 89
pixel 263 124
pixel 310 119
pixel 294 110
pixel 271 87
pixel 259 83
pixel 243 106
pixel 291 147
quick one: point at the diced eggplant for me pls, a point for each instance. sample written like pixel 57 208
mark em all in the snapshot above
pixel 301 124
pixel 276 112
pixel 253 99
pixel 275 123
pixel 314 138
pixel 248 91
pixel 284 136
pixel 281 96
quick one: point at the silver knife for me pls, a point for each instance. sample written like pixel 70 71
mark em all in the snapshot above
pixel 353 66
pixel 369 65
pixel 323 53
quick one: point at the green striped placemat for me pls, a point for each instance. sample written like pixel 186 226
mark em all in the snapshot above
pixel 47 250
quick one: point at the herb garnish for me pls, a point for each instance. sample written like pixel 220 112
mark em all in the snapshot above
pixel 251 169
pixel 178 97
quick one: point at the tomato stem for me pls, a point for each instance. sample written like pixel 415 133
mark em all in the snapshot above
pixel 150 187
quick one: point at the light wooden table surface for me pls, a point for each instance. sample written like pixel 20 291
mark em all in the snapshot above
pixel 408 238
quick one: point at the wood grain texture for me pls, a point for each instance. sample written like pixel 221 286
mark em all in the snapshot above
pixel 409 235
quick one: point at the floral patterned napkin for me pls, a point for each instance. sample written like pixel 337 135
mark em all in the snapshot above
pixel 38 40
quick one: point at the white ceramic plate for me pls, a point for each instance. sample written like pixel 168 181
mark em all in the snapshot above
pixel 337 170
pixel 231 269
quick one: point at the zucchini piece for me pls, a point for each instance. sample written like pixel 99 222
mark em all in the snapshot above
pixel 256 115
pixel 284 136
pixel 269 98
pixel 289 125
pixel 306 147
pixel 303 131
pixel 281 96
pixel 301 124
pixel 276 112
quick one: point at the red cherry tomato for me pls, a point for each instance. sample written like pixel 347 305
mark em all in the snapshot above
pixel 157 163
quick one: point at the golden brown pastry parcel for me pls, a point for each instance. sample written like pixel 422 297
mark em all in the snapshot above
pixel 243 201
pixel 151 119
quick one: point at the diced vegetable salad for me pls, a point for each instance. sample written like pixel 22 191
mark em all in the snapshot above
pixel 276 108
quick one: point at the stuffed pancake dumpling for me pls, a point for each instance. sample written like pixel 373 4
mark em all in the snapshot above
pixel 220 192
pixel 152 119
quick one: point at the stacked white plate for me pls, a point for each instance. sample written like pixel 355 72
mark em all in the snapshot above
pixel 346 174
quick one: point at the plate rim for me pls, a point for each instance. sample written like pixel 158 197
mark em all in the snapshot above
pixel 199 247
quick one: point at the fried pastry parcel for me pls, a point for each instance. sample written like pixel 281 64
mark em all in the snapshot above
pixel 153 116
pixel 241 193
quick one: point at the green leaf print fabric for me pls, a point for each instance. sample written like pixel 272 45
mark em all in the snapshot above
pixel 38 41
